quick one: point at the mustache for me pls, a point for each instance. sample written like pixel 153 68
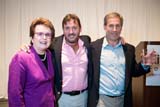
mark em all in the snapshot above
pixel 115 32
pixel 72 34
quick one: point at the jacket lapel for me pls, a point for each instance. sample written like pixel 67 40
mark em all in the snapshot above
pixel 96 58
pixel 127 65
pixel 58 47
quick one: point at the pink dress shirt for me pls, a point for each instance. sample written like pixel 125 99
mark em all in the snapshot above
pixel 74 67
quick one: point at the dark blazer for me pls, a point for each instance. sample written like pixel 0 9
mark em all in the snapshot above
pixel 57 47
pixel 131 69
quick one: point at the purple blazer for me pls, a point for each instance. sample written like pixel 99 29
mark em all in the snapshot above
pixel 30 83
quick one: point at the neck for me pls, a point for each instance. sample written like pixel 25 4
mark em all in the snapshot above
pixel 74 46
pixel 40 52
pixel 113 42
pixel 43 57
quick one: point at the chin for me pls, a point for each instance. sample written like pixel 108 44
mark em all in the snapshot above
pixel 73 42
pixel 44 48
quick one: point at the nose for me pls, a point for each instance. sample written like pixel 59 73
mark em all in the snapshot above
pixel 114 28
pixel 70 31
pixel 44 36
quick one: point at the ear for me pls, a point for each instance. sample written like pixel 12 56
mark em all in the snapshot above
pixel 81 29
pixel 104 26
pixel 32 40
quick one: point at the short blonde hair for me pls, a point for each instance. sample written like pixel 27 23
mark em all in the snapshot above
pixel 113 15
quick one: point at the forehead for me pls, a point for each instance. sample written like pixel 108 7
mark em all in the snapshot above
pixel 113 20
pixel 71 22
pixel 42 27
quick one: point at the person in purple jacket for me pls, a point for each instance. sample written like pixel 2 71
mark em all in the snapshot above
pixel 31 75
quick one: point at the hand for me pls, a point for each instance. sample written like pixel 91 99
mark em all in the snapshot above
pixel 25 48
pixel 149 58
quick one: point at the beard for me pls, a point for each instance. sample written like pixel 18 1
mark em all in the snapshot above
pixel 72 38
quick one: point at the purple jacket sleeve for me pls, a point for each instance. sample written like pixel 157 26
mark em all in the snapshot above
pixel 16 82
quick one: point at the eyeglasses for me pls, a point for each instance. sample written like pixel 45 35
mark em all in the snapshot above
pixel 41 34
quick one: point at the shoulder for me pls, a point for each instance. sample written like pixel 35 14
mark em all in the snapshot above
pixel 129 46
pixel 21 56
pixel 59 37
pixel 85 38
pixel 20 59
pixel 57 41
pixel 97 42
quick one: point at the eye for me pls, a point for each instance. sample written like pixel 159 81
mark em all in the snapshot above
pixel 118 26
pixel 48 34
pixel 74 28
pixel 40 33
pixel 66 28
pixel 111 26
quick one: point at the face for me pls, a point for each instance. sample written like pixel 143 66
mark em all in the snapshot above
pixel 41 39
pixel 113 29
pixel 71 31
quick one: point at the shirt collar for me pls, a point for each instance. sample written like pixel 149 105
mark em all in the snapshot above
pixel 80 42
pixel 106 44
